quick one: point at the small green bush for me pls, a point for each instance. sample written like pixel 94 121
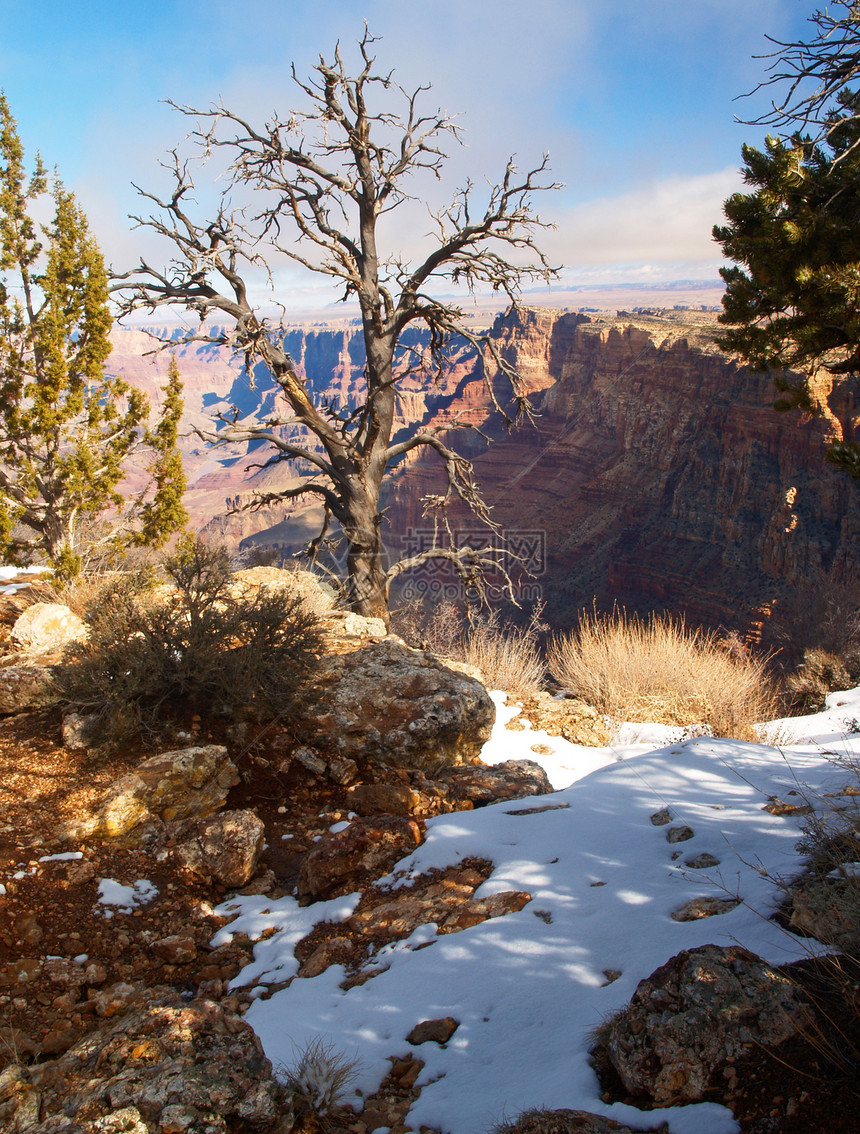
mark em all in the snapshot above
pixel 155 654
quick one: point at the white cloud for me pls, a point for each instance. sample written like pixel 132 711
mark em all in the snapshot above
pixel 662 227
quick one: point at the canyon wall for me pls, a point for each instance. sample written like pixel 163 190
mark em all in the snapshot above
pixel 658 473
pixel 655 473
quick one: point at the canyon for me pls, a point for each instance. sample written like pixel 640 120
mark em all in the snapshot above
pixel 654 473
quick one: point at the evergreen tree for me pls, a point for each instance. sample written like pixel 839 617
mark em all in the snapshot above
pixel 793 300
pixel 68 430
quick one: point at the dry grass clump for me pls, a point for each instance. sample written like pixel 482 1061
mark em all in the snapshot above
pixel 321 1079
pixel 507 656
pixel 820 673
pixel 658 669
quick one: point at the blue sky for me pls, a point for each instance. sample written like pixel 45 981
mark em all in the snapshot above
pixel 633 99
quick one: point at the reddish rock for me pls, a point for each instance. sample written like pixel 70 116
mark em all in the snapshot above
pixel 480 784
pixel 341 860
pixel 223 847
pixel 437 1031
pixel 382 799
pixel 175 950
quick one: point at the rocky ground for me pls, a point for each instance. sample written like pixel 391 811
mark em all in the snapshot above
pixel 101 1009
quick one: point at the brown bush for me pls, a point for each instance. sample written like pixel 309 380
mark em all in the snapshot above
pixel 660 670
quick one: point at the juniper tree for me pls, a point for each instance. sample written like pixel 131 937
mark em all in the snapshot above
pixel 69 430
pixel 793 301
pixel 312 188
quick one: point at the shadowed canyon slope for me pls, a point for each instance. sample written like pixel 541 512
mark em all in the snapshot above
pixel 659 472
pixel 656 469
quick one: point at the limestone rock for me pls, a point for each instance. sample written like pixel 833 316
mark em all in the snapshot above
pixel 26 687
pixel 223 847
pixel 47 627
pixel 80 730
pixel 705 906
pixel 394 706
pixel 315 594
pixel 679 834
pixel 828 909
pixel 480 784
pixel 173 785
pixel 569 717
pixel 166 1066
pixel 703 1007
pixel 366 845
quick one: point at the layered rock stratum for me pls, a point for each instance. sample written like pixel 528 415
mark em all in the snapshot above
pixel 655 472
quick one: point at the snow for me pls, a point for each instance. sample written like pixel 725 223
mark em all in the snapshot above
pixel 63 856
pixel 117 898
pixel 529 988
pixel 9 573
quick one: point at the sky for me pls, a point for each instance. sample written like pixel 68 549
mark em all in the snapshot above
pixel 634 102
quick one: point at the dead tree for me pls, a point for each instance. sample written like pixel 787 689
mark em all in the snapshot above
pixel 314 187
pixel 813 78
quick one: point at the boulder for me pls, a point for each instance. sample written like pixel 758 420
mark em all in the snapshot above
pixel 569 717
pixel 47 627
pixel 436 1031
pixel 704 1007
pixel 315 594
pixel 224 847
pixel 26 687
pixel 480 784
pixel 393 706
pixel 174 785
pixel 165 1065
pixel 382 799
pixel 828 909
pixel 339 861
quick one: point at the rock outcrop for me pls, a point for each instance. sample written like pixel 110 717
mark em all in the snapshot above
pixel 387 705
pixel 224 847
pixel 166 1065
pixel 704 1007
pixel 172 785
pixel 366 846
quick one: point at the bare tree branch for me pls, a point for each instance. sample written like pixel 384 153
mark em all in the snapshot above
pixel 314 185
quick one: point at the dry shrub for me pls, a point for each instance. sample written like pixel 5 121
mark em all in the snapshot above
pixel 658 669
pixel 508 656
pixel 439 628
pixel 320 1079
pixel 820 673
pixel 152 658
